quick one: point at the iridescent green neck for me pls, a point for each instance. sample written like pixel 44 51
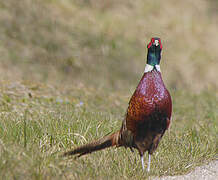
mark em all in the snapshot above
pixel 153 58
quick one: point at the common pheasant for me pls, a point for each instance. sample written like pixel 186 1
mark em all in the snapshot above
pixel 148 114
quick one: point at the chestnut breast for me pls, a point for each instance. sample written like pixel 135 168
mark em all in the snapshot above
pixel 151 98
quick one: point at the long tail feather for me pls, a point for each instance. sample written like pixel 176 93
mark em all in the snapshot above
pixel 105 142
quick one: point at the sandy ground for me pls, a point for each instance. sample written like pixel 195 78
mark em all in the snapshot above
pixel 206 172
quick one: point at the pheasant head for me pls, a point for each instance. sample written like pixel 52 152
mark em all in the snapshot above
pixel 154 54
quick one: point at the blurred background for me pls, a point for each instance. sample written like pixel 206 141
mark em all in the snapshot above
pixel 102 44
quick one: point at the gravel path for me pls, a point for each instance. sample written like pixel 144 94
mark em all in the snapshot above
pixel 206 172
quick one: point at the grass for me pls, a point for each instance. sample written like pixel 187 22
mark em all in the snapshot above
pixel 68 69
pixel 35 131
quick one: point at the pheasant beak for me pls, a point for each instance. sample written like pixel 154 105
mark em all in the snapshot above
pixel 156 42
